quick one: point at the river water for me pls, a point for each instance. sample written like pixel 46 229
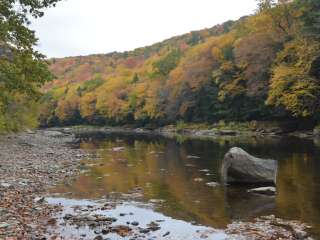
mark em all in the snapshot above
pixel 177 172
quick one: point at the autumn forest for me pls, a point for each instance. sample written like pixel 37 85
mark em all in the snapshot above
pixel 261 67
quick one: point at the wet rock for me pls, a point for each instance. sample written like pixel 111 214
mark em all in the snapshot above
pixel 67 217
pixel 4 225
pixel 98 238
pixel 135 223
pixel 264 190
pixel 156 201
pixel 53 134
pixel 144 231
pixel 192 157
pixel 121 230
pixel 52 221
pixel 118 149
pixel 198 179
pixel 190 165
pixel 212 184
pixel 39 199
pixel 5 185
pixel 153 226
pixel 166 234
pixel 240 167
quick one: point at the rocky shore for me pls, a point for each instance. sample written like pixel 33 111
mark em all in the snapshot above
pixel 192 133
pixel 31 163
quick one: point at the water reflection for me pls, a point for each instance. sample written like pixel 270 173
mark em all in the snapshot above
pixel 178 172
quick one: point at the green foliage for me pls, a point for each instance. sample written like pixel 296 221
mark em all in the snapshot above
pixel 135 78
pixel 165 65
pixel 295 82
pixel 231 81
pixel 22 69
pixel 18 113
pixel 310 16
pixel 180 126
pixel 89 86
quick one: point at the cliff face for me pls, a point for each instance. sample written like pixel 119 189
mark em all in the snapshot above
pixel 257 68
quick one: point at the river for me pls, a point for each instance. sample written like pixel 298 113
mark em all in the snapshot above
pixel 176 171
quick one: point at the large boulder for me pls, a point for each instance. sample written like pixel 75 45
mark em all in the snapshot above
pixel 240 167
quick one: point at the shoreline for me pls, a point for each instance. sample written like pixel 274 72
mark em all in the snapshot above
pixel 188 133
pixel 30 164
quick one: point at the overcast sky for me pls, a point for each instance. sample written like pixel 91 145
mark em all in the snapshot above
pixel 82 27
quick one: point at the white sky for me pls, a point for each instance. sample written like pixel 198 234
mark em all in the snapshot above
pixel 82 27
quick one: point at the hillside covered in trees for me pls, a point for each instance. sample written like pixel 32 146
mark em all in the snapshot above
pixel 261 67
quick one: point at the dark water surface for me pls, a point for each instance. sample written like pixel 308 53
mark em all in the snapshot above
pixel 177 171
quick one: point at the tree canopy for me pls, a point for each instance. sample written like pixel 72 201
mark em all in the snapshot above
pixel 23 70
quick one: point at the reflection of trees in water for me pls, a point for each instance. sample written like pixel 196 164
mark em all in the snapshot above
pixel 298 187
pixel 160 166
pixel 244 206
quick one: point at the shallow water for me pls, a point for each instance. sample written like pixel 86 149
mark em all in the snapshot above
pixel 177 171
pixel 134 211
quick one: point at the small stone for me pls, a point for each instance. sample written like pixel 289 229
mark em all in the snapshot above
pixel 166 234
pixel 156 201
pixel 98 238
pixel 52 221
pixel 264 190
pixel 198 179
pixel 192 156
pixel 118 149
pixel 212 184
pixel 300 234
pixel 144 231
pixel 4 225
pixel 135 223
pixel 153 226
pixel 39 199
pixel 5 185
pixel 67 217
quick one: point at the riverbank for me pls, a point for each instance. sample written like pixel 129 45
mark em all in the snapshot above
pixel 30 164
pixel 196 131
pixel 33 163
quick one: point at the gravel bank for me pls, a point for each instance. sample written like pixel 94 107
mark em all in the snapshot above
pixel 31 163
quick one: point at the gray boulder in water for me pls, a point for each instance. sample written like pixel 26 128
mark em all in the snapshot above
pixel 240 167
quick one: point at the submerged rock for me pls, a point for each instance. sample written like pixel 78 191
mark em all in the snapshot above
pixel 198 179
pixel 118 149
pixel 212 184
pixel 264 190
pixel 240 167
